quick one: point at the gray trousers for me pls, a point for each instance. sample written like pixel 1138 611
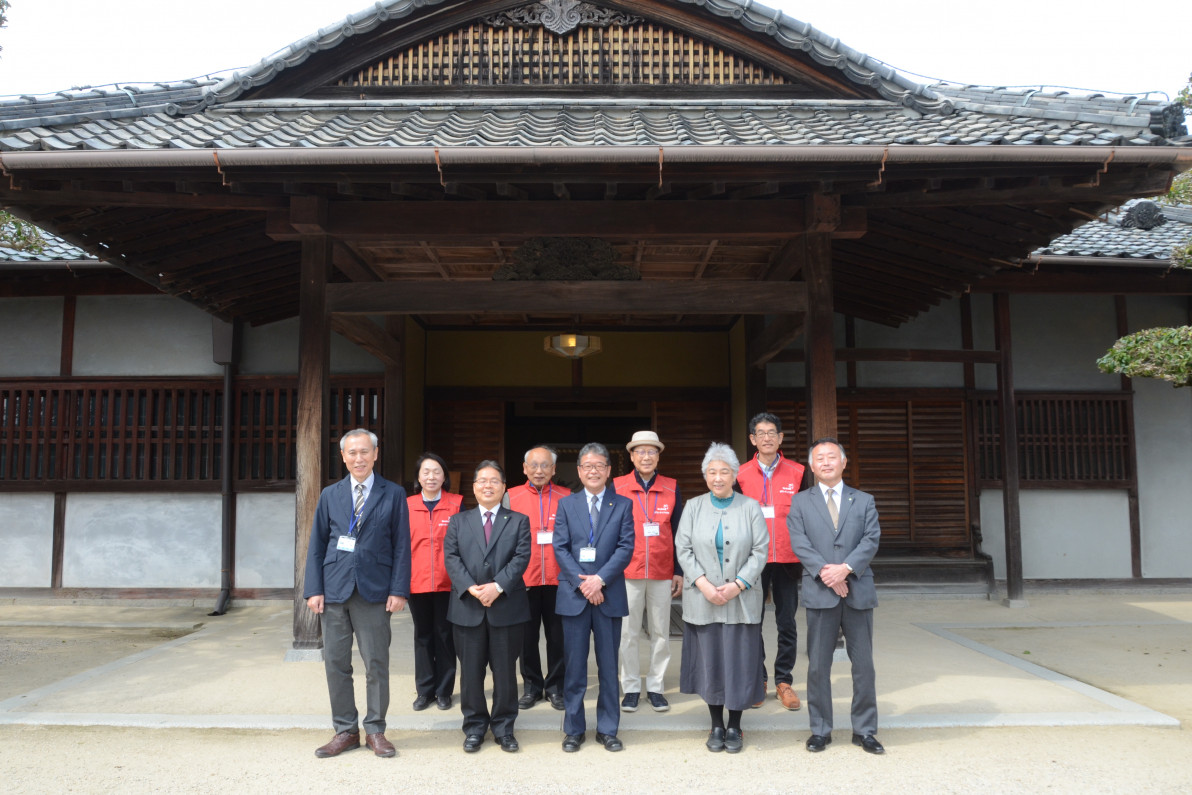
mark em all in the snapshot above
pixel 823 627
pixel 369 622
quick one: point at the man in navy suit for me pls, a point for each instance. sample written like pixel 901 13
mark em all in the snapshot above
pixel 486 552
pixel 593 544
pixel 357 574
pixel 835 532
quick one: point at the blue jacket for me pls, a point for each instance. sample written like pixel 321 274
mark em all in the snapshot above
pixel 380 565
pixel 614 550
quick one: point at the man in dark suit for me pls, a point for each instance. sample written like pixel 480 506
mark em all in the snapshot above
pixel 486 551
pixel 357 574
pixel 593 544
pixel 834 531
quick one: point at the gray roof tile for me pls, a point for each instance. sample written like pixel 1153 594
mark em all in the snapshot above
pixel 1106 237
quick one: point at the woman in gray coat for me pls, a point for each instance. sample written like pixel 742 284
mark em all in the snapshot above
pixel 722 544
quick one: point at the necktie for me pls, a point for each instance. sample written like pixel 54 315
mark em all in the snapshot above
pixel 594 511
pixel 359 501
pixel 832 509
pixel 488 526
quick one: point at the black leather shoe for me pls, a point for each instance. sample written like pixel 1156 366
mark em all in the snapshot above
pixel 556 700
pixel 422 702
pixel 715 742
pixel 869 743
pixel 818 742
pixel 734 740
pixel 473 742
pixel 610 742
pixel 509 743
pixel 528 700
pixel 443 702
pixel 572 742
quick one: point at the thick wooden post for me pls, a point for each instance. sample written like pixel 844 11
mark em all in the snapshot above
pixel 314 329
pixel 1010 476
pixel 818 337
pixel 755 377
pixel 393 445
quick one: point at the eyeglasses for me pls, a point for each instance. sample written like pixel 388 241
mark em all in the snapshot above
pixel 539 467
pixel 593 467
pixel 645 452
pixel 766 434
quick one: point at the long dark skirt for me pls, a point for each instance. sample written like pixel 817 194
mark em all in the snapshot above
pixel 721 664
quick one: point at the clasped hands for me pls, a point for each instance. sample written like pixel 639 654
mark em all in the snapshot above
pixel 487 593
pixel 835 576
pixel 718 595
pixel 592 587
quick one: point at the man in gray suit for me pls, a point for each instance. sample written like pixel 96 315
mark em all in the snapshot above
pixel 835 532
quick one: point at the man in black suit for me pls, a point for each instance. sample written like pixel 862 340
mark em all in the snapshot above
pixel 593 544
pixel 357 574
pixel 486 552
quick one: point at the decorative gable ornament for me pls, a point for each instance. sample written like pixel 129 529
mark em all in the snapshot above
pixel 561 16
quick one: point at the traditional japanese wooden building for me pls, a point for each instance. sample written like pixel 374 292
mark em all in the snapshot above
pixel 379 224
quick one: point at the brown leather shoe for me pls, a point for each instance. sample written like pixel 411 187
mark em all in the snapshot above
pixel 344 741
pixel 787 695
pixel 379 745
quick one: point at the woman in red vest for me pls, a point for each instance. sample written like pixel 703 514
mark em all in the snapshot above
pixel 430 587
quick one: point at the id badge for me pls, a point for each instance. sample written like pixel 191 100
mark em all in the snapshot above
pixel 346 544
pixel 587 555
pixel 767 511
pixel 650 529
pixel 545 538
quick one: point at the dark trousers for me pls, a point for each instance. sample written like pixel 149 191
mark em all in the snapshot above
pixel 823 627
pixel 542 612
pixel 780 582
pixel 480 648
pixel 369 623
pixel 434 644
pixel 591 627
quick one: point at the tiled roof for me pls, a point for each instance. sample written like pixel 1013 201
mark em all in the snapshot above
pixel 55 250
pixel 563 123
pixel 106 102
pixel 1106 237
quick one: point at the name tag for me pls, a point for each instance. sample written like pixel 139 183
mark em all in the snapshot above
pixel 587 555
pixel 649 529
pixel 546 538
pixel 768 511
pixel 346 544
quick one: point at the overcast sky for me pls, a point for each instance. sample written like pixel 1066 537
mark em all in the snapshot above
pixel 51 45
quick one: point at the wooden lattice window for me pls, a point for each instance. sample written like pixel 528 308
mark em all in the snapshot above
pixel 464 433
pixel 1065 440
pixel 67 432
pixel 687 428
pixel 633 54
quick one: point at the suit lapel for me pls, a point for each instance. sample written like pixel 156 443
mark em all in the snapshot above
pixel 822 505
pixel 374 499
pixel 846 502
pixel 500 519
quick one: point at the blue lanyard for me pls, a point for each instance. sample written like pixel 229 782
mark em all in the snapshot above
pixel 642 499
pixel 542 515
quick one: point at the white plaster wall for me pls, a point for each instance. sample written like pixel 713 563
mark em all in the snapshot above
pixel 272 349
pixel 27 538
pixel 30 337
pixel 150 335
pixel 938 328
pixel 1057 340
pixel 142 541
pixel 265 540
pixel 1065 534
pixel 1163 430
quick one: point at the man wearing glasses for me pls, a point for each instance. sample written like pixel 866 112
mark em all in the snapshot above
pixel 773 481
pixel 593 542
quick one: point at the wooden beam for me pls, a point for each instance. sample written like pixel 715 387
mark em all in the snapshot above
pixel 352 265
pixel 934 355
pixel 379 222
pixel 368 335
pixel 782 331
pixel 703 297
pixel 312 406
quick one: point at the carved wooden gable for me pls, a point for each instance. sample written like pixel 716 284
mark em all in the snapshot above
pixel 562 43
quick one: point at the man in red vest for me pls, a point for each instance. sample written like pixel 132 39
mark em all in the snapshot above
pixel 538 498
pixel 653 576
pixel 773 480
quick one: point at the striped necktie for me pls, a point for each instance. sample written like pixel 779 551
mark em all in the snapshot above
pixel 359 506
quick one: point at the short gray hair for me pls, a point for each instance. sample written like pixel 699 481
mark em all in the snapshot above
pixel 826 440
pixel 718 451
pixel 594 448
pixel 357 432
pixel 554 457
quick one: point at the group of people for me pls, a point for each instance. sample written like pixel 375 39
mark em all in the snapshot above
pixel 596 568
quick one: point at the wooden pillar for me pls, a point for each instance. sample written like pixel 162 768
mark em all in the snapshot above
pixel 1010 475
pixel 755 377
pixel 65 368
pixel 819 338
pixel 393 441
pixel 1135 516
pixel 314 330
